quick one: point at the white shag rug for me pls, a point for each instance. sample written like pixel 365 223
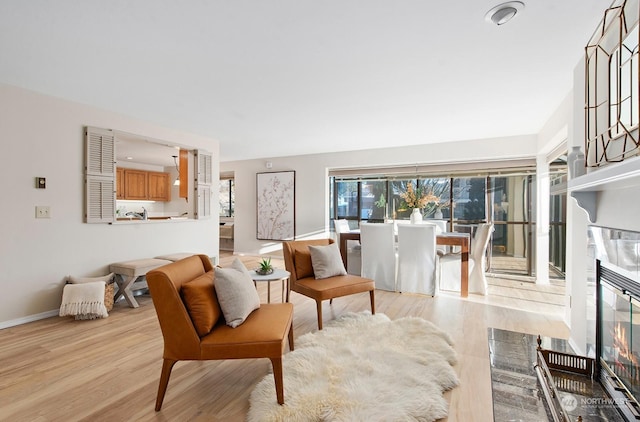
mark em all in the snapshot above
pixel 362 367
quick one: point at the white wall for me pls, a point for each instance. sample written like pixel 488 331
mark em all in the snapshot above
pixel 43 136
pixel 552 137
pixel 312 191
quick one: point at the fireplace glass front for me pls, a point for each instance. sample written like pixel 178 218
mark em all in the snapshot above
pixel 621 336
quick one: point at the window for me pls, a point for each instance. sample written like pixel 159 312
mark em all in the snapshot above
pixel 437 186
pixel 506 198
pixel 346 197
pixel 227 198
pixel 469 194
pixel 373 200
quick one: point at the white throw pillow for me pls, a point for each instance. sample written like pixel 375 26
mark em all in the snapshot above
pixel 79 280
pixel 236 293
pixel 326 261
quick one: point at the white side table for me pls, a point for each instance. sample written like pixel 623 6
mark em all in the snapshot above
pixel 276 275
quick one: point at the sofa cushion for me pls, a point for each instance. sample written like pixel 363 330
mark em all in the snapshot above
pixel 302 261
pixel 326 261
pixel 199 297
pixel 236 293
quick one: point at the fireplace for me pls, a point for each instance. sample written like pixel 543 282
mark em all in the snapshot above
pixel 618 337
pixel 607 386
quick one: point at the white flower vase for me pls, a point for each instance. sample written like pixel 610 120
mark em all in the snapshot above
pixel 416 216
pixel 438 214
pixel 575 162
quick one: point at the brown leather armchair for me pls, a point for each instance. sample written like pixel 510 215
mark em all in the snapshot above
pixel 262 335
pixel 297 261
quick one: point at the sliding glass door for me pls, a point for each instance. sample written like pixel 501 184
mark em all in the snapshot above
pixel 507 200
pixel 512 200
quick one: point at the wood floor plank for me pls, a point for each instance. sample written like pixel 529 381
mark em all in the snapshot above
pixel 108 370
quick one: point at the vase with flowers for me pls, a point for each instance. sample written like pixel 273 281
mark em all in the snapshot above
pixel 439 206
pixel 417 199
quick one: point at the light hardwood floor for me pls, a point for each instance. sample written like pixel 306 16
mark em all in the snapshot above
pixel 59 369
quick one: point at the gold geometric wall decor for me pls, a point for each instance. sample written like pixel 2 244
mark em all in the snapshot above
pixel 612 108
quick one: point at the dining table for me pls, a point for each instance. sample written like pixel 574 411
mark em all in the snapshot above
pixel 462 240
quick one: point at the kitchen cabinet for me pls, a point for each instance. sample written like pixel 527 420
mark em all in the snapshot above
pixel 119 183
pixel 142 185
pixel 184 173
pixel 158 186
pixel 135 184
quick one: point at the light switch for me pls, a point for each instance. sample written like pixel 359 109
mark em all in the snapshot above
pixel 43 211
pixel 41 183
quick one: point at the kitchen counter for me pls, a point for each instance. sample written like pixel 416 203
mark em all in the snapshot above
pixel 129 220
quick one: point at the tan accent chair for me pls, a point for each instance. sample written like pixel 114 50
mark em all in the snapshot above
pixel 297 261
pixel 184 311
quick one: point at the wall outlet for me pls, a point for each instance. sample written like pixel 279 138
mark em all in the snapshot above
pixel 43 211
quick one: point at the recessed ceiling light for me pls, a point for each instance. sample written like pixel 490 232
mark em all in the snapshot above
pixel 129 158
pixel 504 12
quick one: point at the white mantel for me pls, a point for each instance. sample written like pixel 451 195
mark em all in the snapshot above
pixel 624 174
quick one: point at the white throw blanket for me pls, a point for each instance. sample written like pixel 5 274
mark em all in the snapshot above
pixel 84 301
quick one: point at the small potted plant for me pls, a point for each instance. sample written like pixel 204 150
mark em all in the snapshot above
pixel 265 267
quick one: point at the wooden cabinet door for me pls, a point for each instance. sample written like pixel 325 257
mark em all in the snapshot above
pixel 159 189
pixel 119 183
pixel 184 173
pixel 135 184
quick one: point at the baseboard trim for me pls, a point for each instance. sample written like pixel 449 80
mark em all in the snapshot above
pixel 30 318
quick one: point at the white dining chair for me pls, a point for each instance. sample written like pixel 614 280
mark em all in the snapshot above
pixel 442 224
pixel 417 258
pixel 441 228
pixel 354 256
pixel 450 264
pixel 377 243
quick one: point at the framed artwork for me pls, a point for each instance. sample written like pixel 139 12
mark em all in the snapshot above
pixel 276 205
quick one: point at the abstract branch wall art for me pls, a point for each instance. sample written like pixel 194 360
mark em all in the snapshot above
pixel 276 205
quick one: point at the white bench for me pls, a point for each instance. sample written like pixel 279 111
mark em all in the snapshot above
pixel 126 273
pixel 173 257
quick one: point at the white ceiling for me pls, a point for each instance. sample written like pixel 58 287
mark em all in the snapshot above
pixel 133 148
pixel 270 78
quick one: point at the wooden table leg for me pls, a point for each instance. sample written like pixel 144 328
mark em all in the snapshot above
pixel 343 249
pixel 464 274
pixel 124 285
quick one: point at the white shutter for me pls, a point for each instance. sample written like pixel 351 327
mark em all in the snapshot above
pixel 205 167
pixel 101 204
pixel 204 179
pixel 100 177
pixel 100 152
pixel 204 201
